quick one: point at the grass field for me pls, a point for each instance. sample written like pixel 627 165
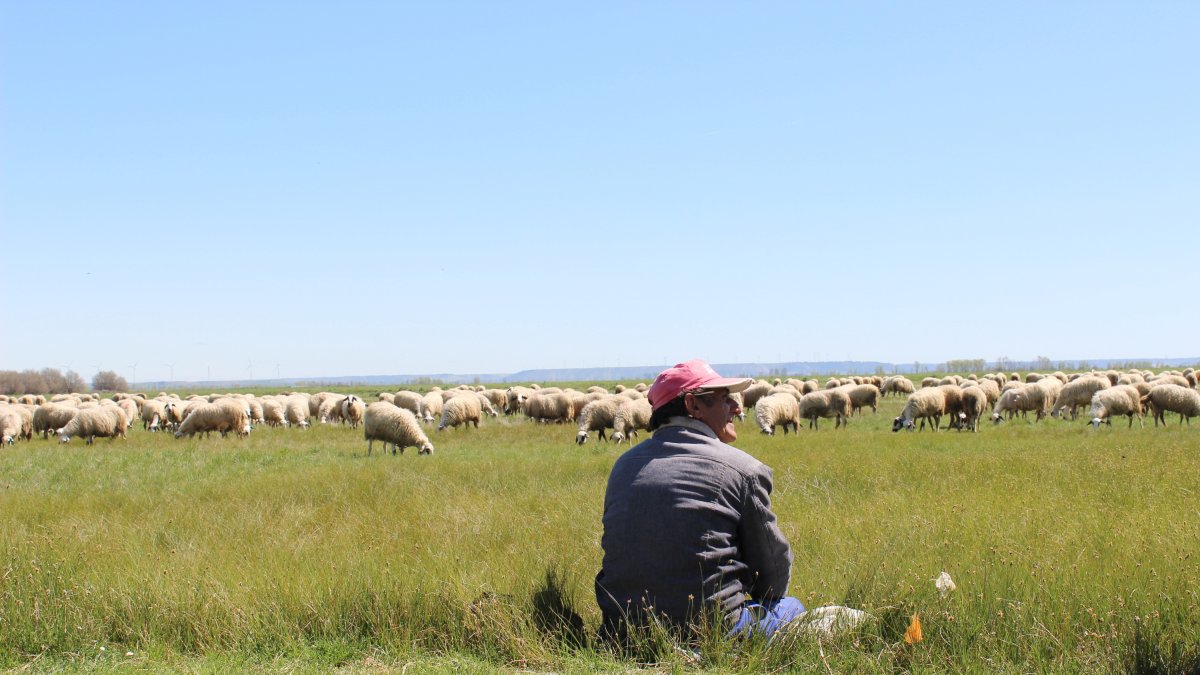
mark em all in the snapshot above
pixel 1074 550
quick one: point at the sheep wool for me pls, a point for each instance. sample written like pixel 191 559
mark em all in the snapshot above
pixel 460 410
pixel 52 416
pixel 597 416
pixel 395 426
pixel 826 403
pixel 632 415
pixel 90 423
pixel 778 410
pixel 1122 399
pixel 927 403
pixel 1166 398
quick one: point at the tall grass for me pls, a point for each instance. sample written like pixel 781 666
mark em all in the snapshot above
pixel 1073 550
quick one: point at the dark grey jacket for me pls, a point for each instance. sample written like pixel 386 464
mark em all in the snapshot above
pixel 687 519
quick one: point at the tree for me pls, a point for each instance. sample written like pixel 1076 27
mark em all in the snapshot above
pixel 107 380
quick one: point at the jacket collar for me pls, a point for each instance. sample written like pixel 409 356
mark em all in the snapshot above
pixel 690 423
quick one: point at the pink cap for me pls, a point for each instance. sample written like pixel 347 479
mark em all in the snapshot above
pixel 690 376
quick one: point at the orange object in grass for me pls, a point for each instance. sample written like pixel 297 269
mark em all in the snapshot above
pixel 913 634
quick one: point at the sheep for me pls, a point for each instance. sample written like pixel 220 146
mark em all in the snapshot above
pixel 130 406
pixel 274 414
pixel 974 402
pixel 10 426
pixel 517 395
pixel 953 394
pixel 1169 379
pixel 596 389
pixel 1122 399
pixel 154 414
pixel 862 395
pixel 52 416
pixel 1014 400
pixel 497 398
pixel 352 410
pixel 930 382
pixel 641 386
pixel 330 410
pixel 632 394
pixel 460 410
pixel 296 411
pixel 597 416
pixel 549 408
pixel 927 403
pixel 220 417
pixel 833 383
pixel 24 412
pixel 826 403
pixel 898 385
pixel 777 410
pixel 1172 398
pixel 88 423
pixel 431 406
pixel 632 414
pixel 1078 393
pixel 395 426
pixel 387 397
pixel 409 400
pixel 580 400
pixel 785 389
pixel 751 394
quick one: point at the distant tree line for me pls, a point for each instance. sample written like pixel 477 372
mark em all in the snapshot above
pixel 44 381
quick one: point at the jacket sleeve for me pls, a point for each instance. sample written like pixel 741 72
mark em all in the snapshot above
pixel 766 551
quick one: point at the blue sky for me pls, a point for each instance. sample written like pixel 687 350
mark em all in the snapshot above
pixel 317 189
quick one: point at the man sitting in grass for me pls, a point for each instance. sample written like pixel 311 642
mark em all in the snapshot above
pixel 688 527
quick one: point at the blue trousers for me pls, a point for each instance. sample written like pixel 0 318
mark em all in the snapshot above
pixel 766 618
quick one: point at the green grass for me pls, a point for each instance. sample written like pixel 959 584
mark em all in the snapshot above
pixel 1073 549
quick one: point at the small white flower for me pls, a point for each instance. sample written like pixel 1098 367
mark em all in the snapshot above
pixel 102 648
pixel 944 583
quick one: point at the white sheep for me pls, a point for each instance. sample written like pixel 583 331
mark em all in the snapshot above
pixel 10 426
pixel 552 407
pixel 431 406
pixel 90 423
pixel 597 416
pixel 222 416
pixel 974 403
pixel 1122 399
pixel 330 409
pixel 1078 393
pixel 1166 398
pixel 927 403
pixel 409 400
pixel 130 406
pixel 394 426
pixel 751 394
pixel 154 415
pixel 460 410
pixel 274 414
pixel 353 410
pixel 632 414
pixel 825 403
pixel 778 410
pixel 387 397
pixel 898 385
pixel 52 416
pixel 863 395
pixel 296 411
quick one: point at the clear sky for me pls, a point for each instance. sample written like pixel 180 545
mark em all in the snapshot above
pixel 347 188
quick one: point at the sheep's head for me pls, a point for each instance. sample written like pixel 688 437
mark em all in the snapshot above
pixel 62 435
pixel 996 418
pixel 898 424
pixel 1096 422
pixel 617 437
pixel 581 438
pixel 426 448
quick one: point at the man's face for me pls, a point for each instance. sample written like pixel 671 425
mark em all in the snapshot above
pixel 715 408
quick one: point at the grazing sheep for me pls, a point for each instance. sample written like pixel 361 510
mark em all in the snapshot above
pixel 223 417
pixel 330 410
pixel 632 394
pixel 24 413
pixel 777 410
pixel 431 406
pixel 1014 400
pixel 274 414
pixel 825 403
pixel 555 408
pixel 632 414
pixel 409 400
pixel 52 416
pixel 833 383
pixel 596 389
pixel 863 395
pixel 460 410
pixel 497 398
pixel 898 385
pixel 130 406
pixel 974 403
pixel 785 389
pixel 397 427
pixel 1122 399
pixel 353 409
pixel 598 415
pixel 387 397
pixel 580 400
pixel 154 415
pixel 1168 378
pixel 90 423
pixel 930 382
pixel 1172 398
pixel 953 407
pixel 296 411
pixel 927 403
pixel 1078 393
pixel 10 426
pixel 517 395
pixel 751 394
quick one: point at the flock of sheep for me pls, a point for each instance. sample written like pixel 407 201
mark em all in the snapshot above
pixel 1106 394
pixel 398 419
